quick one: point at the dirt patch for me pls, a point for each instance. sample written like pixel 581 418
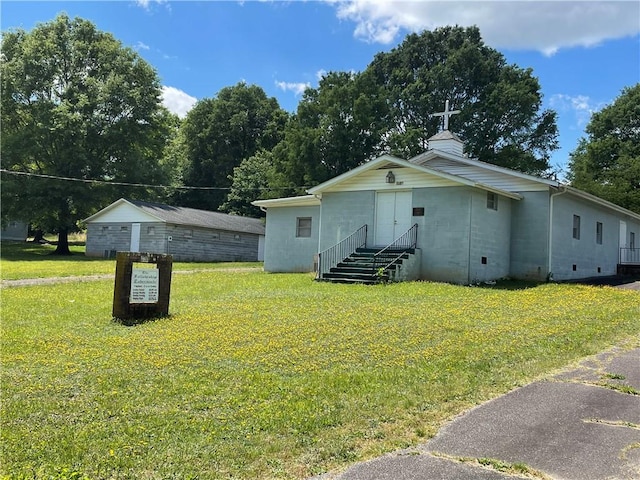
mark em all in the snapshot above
pixel 27 282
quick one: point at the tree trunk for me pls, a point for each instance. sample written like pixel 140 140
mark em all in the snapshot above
pixel 62 248
pixel 38 236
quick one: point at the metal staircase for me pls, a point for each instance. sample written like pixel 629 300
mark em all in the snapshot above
pixel 365 265
pixel 368 265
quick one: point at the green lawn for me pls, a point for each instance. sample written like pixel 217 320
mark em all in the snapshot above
pixel 31 260
pixel 260 375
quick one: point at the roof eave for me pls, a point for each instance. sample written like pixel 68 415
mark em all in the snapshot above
pixel 301 201
pixel 114 205
pixel 602 202
pixel 504 193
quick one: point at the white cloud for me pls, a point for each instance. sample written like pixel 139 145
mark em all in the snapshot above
pixel 296 87
pixel 521 25
pixel 146 4
pixel 177 101
pixel 141 46
pixel 581 106
pixel 320 73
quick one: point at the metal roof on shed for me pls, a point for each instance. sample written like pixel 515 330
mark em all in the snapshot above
pixel 190 216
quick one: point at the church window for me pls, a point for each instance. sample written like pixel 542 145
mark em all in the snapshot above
pixel 576 227
pixel 492 201
pixel 303 227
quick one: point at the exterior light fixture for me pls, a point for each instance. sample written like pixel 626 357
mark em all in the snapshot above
pixel 391 178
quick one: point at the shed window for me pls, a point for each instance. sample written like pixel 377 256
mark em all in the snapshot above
pixel 303 227
pixel 599 233
pixel 151 230
pixel 105 229
pixel 188 233
pixel 576 227
pixel 124 228
pixel 236 237
pixel 215 236
pixel 492 201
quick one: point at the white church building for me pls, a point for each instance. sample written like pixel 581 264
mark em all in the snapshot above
pixel 443 216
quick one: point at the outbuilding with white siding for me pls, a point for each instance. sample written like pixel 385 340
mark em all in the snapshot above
pixel 187 234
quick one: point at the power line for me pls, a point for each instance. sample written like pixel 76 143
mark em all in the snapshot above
pixel 103 182
pixel 124 184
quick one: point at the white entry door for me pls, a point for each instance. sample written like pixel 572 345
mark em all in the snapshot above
pixel 393 216
pixel 135 238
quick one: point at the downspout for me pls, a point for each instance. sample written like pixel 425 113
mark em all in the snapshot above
pixel 317 255
pixel 561 190
pixel 319 197
pixel 470 232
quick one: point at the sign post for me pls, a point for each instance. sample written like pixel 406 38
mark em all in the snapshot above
pixel 142 286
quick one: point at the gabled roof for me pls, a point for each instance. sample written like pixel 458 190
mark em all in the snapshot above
pixel 302 201
pixel 425 157
pixel 444 164
pixel 601 201
pixel 398 162
pixel 188 216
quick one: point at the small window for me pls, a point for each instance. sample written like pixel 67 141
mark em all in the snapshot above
pixel 236 237
pixel 124 228
pixel 151 230
pixel 576 227
pixel 492 201
pixel 215 236
pixel 599 233
pixel 303 227
pixel 105 229
pixel 483 260
pixel 418 211
pixel 188 233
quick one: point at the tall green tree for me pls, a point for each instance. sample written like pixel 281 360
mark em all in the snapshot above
pixel 501 120
pixel 75 104
pixel 337 127
pixel 607 162
pixel 218 133
pixel 251 181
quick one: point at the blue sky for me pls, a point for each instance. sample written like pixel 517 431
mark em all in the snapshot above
pixel 584 53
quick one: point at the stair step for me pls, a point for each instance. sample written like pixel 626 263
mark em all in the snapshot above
pixel 365 267
pixel 350 275
pixel 360 267
pixel 352 270
pixel 394 251
pixel 376 250
pixel 352 281
pixel 383 256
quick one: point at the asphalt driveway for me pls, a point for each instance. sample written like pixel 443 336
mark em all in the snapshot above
pixel 581 424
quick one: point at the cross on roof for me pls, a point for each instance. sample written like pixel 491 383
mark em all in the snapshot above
pixel 446 114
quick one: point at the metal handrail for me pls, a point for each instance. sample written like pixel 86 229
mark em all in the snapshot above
pixel 330 257
pixel 629 255
pixel 404 242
